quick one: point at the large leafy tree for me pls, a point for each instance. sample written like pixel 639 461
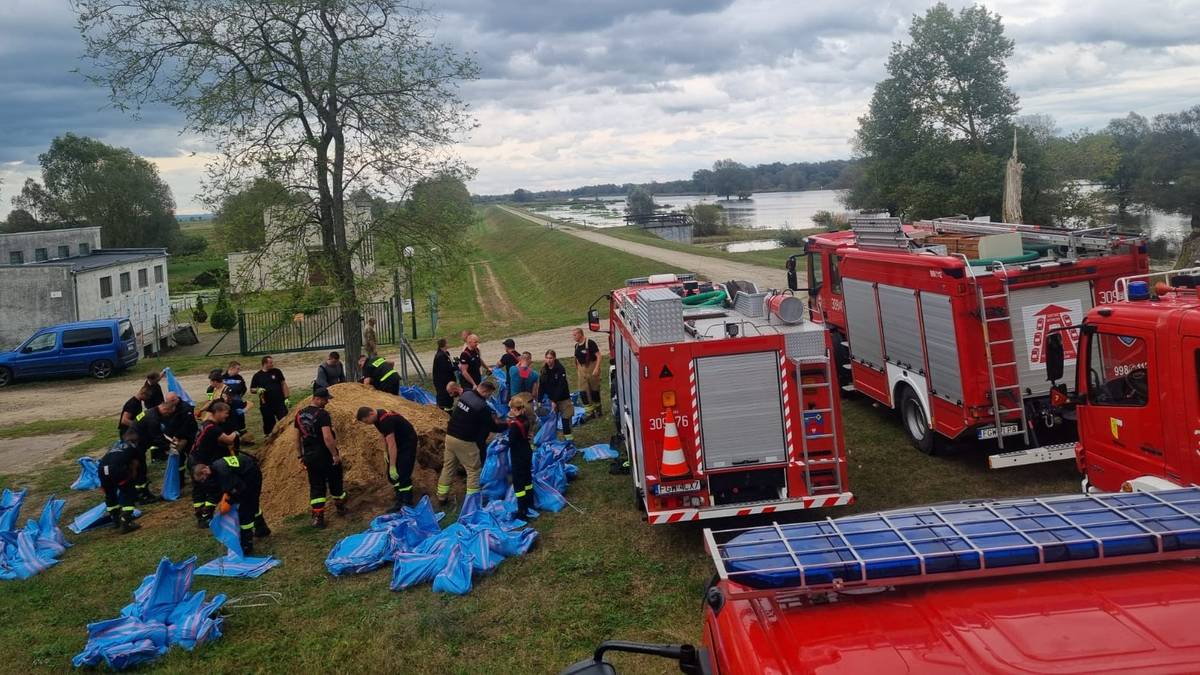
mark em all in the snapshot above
pixel 933 139
pixel 1169 158
pixel 639 203
pixel 1127 134
pixel 326 96
pixel 87 181
pixel 731 178
pixel 238 221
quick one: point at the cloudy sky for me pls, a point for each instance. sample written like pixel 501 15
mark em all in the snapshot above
pixel 588 91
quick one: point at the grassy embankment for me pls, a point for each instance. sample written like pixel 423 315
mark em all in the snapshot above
pixel 593 575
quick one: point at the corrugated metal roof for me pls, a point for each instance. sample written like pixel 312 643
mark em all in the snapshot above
pixel 103 257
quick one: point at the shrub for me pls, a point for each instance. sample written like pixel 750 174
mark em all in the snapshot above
pixel 213 277
pixel 187 244
pixel 708 220
pixel 831 221
pixel 198 313
pixel 223 317
pixel 792 238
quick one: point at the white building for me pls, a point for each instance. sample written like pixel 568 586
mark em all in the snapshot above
pixel 285 260
pixel 18 248
pixel 98 284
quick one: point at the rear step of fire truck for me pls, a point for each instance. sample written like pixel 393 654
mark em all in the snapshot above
pixel 972 540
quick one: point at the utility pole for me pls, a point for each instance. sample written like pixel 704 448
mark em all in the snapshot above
pixel 408 257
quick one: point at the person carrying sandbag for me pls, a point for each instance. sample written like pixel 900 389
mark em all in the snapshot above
pixel 471 422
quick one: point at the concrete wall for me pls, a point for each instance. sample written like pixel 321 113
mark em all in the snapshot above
pixel 28 242
pixel 143 306
pixel 679 233
pixel 33 297
pixel 283 263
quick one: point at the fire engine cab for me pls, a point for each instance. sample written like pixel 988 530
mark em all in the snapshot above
pixel 946 321
pixel 724 398
pixel 1137 394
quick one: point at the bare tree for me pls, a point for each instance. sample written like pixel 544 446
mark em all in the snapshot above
pixel 324 96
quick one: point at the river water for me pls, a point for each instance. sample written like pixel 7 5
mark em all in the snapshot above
pixel 794 210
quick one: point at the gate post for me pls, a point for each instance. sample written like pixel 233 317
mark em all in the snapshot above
pixel 243 348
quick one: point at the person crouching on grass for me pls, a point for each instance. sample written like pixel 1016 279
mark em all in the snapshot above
pixel 238 480
pixel 520 449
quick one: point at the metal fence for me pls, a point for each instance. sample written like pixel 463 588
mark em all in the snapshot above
pixel 274 332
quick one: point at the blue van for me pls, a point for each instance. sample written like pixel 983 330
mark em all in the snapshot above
pixel 96 348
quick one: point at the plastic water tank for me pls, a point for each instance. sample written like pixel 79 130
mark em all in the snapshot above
pixel 788 308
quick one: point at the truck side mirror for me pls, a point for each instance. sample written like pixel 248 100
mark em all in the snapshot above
pixel 1054 357
pixel 792 279
pixel 594 320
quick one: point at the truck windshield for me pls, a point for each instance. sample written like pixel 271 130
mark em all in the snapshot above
pixel 1117 370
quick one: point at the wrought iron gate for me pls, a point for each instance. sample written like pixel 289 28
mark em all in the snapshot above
pixel 275 332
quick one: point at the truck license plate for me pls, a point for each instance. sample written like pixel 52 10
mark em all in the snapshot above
pixel 676 488
pixel 990 432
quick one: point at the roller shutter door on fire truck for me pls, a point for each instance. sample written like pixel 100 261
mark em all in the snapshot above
pixel 741 409
pixel 1035 313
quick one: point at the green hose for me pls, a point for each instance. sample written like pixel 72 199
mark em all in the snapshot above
pixel 704 298
pixel 1027 256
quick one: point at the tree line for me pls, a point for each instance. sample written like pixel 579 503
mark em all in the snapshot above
pixel 726 178
pixel 942 125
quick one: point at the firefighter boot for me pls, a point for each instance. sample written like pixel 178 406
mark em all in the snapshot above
pixel 339 505
pixel 260 526
pixel 127 524
pixel 247 540
pixel 201 520
pixel 318 518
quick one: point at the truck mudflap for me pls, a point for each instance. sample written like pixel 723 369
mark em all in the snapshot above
pixel 741 510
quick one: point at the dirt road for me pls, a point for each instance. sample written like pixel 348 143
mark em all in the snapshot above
pixel 22 403
pixel 715 269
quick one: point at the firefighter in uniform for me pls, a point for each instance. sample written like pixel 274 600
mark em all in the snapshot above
pixel 520 450
pixel 471 422
pixel 400 442
pixel 370 367
pixel 443 375
pixel 181 429
pixel 211 444
pixel 389 381
pixel 119 468
pixel 320 457
pixel 152 442
pixel 238 480
pixel 554 385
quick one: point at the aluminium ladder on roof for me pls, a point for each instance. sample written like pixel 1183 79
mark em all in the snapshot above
pixel 998 383
pixel 835 459
pixel 1094 239
pixel 962 541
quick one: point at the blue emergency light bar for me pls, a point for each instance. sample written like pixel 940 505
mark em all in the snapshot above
pixel 962 541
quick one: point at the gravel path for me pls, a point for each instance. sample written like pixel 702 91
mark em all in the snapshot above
pixel 715 269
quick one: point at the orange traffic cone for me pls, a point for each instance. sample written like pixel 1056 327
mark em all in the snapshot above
pixel 674 464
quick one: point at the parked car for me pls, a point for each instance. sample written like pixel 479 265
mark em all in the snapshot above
pixel 96 348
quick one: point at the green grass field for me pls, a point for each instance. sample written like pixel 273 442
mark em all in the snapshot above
pixel 599 574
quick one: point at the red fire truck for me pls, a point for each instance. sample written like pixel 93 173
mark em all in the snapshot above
pixel 724 399
pixel 955 341
pixel 1137 395
pixel 1056 585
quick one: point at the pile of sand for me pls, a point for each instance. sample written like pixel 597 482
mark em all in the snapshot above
pixel 285 483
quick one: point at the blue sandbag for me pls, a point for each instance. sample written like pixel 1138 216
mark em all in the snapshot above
pixel 163 613
pixel 415 568
pixel 598 452
pixel 455 576
pixel 548 431
pixel 359 553
pixel 546 496
pixel 234 563
pixel 34 548
pixel 501 409
pixel 94 517
pixel 497 467
pixel 173 385
pixel 417 395
pixel 170 486
pixel 89 474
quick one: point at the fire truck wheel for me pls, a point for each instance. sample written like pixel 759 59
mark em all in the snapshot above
pixel 916 424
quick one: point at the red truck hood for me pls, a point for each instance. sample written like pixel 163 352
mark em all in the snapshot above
pixel 1143 619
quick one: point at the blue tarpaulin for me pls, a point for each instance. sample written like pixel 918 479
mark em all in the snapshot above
pixel 36 547
pixel 418 395
pixel 234 563
pixel 89 474
pixel 170 486
pixel 163 613
pixel 598 452
pixel 173 385
pixel 94 517
pixel 548 431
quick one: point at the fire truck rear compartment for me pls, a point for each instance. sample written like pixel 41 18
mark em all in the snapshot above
pixel 741 487
pixel 742 410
